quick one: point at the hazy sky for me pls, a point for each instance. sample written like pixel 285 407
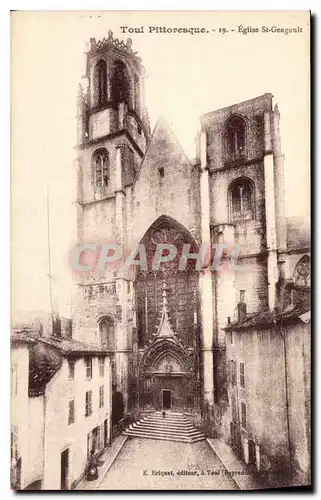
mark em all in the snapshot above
pixel 187 75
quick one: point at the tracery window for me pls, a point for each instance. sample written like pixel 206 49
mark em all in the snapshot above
pixel 241 199
pixel 107 333
pixel 181 288
pixel 100 82
pixel 101 167
pixel 120 89
pixel 235 138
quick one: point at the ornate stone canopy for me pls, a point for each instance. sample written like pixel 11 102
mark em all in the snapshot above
pixel 165 354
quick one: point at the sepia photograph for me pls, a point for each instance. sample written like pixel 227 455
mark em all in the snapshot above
pixel 160 250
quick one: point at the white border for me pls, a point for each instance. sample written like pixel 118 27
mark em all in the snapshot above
pixel 5 7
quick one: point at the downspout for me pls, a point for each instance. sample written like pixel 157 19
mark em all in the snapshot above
pixel 281 332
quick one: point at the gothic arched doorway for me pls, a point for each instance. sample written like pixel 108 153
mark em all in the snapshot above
pixel 169 364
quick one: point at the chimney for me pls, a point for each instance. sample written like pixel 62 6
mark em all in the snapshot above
pixel 241 307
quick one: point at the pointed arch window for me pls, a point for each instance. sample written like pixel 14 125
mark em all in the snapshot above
pixel 100 82
pixel 235 138
pixel 241 199
pixel 101 167
pixel 302 272
pixel 120 88
pixel 107 333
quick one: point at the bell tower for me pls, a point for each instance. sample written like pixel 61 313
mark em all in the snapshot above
pixel 111 115
pixel 114 98
pixel 112 135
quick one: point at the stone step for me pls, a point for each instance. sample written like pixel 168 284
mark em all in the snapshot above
pixel 168 413
pixel 168 419
pixel 173 437
pixel 181 425
pixel 161 430
pixel 172 427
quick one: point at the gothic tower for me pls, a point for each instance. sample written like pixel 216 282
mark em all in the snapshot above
pixel 244 159
pixel 113 131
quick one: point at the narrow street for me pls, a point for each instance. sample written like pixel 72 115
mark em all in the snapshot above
pixel 145 464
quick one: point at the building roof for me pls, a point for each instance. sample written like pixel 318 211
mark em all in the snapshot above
pixel 66 346
pixel 268 318
pixel 73 347
pixel 46 355
pixel 21 337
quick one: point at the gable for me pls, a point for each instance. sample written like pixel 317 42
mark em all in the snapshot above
pixel 166 184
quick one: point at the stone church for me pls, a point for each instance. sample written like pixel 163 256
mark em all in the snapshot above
pixel 167 328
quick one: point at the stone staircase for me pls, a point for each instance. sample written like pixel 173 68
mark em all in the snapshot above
pixel 174 427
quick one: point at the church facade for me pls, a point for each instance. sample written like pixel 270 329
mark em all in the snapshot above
pixel 167 326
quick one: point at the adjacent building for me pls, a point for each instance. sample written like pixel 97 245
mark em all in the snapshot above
pixel 65 387
pixel 22 452
pixel 269 359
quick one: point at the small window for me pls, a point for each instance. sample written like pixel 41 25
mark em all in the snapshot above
pixel 233 371
pixel 161 171
pixel 71 369
pixel 89 367
pixel 71 414
pixel 242 376
pixel 243 415
pixel 101 366
pixel 88 404
pixel 101 396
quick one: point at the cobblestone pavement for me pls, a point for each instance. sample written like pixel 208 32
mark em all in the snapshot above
pixel 145 464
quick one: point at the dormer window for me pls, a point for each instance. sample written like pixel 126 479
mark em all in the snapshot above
pixel 101 167
pixel 235 138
